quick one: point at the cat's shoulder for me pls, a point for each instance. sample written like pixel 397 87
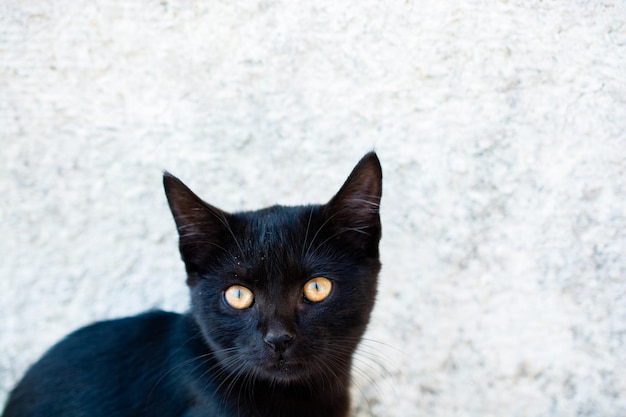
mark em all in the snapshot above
pixel 152 320
pixel 127 334
pixel 88 366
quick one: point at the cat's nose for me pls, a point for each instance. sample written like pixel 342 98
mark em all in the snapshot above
pixel 279 341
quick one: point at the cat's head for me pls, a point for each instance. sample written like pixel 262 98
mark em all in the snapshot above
pixel 283 293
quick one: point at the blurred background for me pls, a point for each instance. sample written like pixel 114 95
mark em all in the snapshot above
pixel 501 127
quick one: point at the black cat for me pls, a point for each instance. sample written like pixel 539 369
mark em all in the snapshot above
pixel 280 298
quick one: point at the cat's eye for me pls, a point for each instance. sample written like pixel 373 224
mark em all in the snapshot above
pixel 317 289
pixel 238 297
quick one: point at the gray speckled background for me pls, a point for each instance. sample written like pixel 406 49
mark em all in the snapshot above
pixel 501 126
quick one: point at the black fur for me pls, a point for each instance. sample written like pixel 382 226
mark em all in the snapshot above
pixel 216 360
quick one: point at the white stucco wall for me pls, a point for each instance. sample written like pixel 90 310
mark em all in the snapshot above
pixel 501 126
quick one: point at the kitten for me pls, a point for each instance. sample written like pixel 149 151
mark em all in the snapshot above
pixel 280 298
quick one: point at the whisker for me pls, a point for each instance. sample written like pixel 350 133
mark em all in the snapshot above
pixel 306 234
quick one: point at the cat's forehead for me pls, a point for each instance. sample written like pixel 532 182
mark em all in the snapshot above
pixel 272 242
pixel 276 225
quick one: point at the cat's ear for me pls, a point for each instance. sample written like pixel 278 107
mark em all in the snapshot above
pixel 201 226
pixel 354 210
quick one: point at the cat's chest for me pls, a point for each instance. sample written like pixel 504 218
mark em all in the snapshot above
pixel 247 398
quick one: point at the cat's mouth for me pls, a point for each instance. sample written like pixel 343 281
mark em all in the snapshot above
pixel 282 370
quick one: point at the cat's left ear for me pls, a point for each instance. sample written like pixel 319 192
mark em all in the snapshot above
pixel 355 208
pixel 202 228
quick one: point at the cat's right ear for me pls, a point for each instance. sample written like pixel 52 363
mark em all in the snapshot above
pixel 201 226
pixel 354 210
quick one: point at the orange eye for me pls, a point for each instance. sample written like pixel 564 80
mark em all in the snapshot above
pixel 317 289
pixel 239 297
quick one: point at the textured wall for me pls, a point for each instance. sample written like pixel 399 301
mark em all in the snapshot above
pixel 501 126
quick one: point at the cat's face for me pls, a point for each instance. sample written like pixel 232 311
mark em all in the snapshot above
pixel 283 293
